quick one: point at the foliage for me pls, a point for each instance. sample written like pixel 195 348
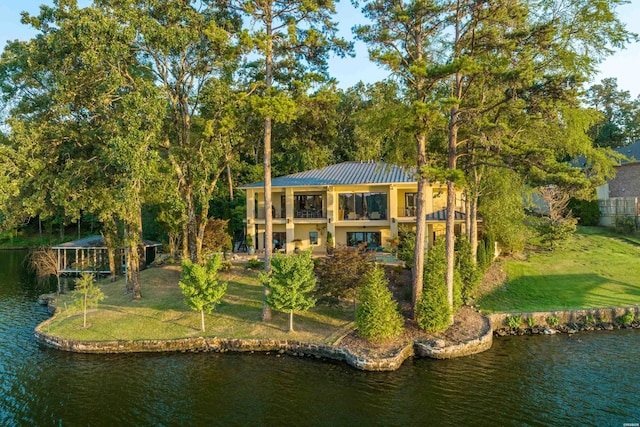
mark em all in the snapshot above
pixel 625 225
pixel 553 321
pixel 433 312
pixel 330 242
pixel 501 206
pixel 469 272
pixel 531 321
pixel 589 320
pixel 340 275
pixel 377 316
pixel 44 262
pixel 587 211
pixel 406 246
pixel 627 318
pixel 558 225
pixel 201 287
pixel 255 264
pixel 216 238
pixel 290 281
pixel 249 241
pixel 86 295
pixel 618 125
pixel 486 251
pixel 555 231
pixel 513 321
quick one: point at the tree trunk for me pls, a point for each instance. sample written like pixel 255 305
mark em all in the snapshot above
pixel 110 238
pixel 467 210
pixel 185 241
pixel 230 182
pixel 84 311
pixel 450 243
pixel 202 320
pixel 473 232
pixel 268 220
pixel 417 273
pixel 451 204
pixel 133 262
pixel 291 321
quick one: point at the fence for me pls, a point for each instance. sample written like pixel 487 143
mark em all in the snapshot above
pixel 617 206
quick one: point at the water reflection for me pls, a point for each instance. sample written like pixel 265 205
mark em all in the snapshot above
pixel 590 378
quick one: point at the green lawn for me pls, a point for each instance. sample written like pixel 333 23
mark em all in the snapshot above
pixel 595 269
pixel 162 313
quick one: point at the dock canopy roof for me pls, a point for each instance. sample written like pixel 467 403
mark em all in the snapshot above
pixel 97 242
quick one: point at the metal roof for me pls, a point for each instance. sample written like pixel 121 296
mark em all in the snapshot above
pixel 347 173
pixel 441 215
pixel 95 242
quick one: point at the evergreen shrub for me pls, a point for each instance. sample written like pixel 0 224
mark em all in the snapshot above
pixel 377 316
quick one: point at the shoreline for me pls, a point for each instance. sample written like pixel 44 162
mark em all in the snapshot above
pixel 569 321
pixel 435 349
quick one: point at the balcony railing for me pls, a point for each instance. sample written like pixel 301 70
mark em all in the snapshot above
pixel 309 213
pixel 354 216
pixel 277 214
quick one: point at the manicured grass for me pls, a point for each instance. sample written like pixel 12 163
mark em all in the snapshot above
pixel 162 313
pixel 595 269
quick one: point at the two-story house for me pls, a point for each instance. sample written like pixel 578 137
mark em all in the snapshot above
pixel 357 202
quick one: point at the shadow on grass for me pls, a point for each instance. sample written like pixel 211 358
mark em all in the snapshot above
pixel 560 292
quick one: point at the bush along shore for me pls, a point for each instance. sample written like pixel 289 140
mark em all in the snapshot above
pixel 567 322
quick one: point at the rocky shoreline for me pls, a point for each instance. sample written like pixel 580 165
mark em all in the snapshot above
pixel 564 329
pixel 566 321
pixel 389 361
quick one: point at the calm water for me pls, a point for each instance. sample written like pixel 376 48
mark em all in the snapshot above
pixel 590 379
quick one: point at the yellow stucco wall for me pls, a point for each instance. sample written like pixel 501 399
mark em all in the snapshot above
pixel 297 228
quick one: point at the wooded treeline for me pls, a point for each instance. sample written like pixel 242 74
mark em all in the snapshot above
pixel 145 114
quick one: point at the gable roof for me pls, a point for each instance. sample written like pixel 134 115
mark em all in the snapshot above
pixel 347 173
pixel 631 151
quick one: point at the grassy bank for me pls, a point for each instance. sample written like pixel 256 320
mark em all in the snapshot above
pixel 595 268
pixel 162 313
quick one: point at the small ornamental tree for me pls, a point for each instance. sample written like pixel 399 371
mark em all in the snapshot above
pixel 216 238
pixel 340 275
pixel 44 263
pixel 86 295
pixel 201 287
pixel 378 316
pixel 290 281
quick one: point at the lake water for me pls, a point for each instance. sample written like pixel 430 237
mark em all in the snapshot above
pixel 587 379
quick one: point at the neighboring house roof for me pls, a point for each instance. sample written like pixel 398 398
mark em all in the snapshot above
pixel 631 151
pixel 95 242
pixel 347 173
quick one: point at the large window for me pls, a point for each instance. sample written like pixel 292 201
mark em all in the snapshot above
pixel 362 206
pixel 308 206
pixel 372 240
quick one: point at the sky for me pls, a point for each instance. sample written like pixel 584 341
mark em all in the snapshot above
pixel 624 65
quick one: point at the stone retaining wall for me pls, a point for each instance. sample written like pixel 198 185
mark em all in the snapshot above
pixel 467 348
pixel 566 318
pixel 295 348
